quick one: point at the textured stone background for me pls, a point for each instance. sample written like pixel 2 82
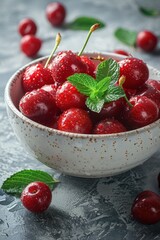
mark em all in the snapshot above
pixel 82 209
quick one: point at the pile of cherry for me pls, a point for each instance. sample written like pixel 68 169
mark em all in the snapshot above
pixel 52 100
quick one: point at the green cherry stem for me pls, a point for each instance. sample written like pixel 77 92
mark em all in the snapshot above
pixel 121 82
pixel 57 42
pixel 92 29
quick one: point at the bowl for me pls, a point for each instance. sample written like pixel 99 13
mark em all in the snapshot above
pixel 81 155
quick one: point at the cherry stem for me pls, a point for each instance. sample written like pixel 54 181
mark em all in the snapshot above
pixel 57 42
pixel 92 29
pixel 121 82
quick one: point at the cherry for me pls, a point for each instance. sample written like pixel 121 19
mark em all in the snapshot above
pixel 122 52
pixel 135 71
pixel 150 92
pixel 36 197
pixel 67 96
pixel 108 126
pixel 35 77
pixel 154 83
pixel 143 112
pixel 65 64
pixel 55 13
pixel 39 106
pixel 27 26
pixel 30 45
pixel 110 110
pixel 147 41
pixel 75 120
pixel 146 207
pixel 51 88
pixel 91 67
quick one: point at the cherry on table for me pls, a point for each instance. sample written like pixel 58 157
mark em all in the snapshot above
pixel 30 45
pixel 36 197
pixel 56 13
pixel 27 26
pixel 146 207
pixel 147 41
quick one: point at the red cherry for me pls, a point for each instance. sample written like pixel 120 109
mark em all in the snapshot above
pixel 27 26
pixel 122 52
pixel 75 120
pixel 146 208
pixel 154 83
pixel 30 45
pixel 35 77
pixel 66 64
pixel 109 110
pixel 67 96
pixel 55 13
pixel 108 126
pixel 135 71
pixel 91 67
pixel 51 88
pixel 147 41
pixel 151 93
pixel 143 112
pixel 36 197
pixel 39 106
pixel 112 109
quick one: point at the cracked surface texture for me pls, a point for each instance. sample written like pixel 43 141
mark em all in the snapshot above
pixel 81 209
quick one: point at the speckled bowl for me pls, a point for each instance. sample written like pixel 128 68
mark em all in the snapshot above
pixel 79 154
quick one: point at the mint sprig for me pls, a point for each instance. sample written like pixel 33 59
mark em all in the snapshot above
pixel 102 89
pixel 15 184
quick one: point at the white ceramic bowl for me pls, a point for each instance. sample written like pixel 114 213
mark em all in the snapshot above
pixel 80 154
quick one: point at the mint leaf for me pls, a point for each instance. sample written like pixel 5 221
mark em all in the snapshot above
pixel 126 36
pixel 103 85
pixel 108 68
pixel 114 93
pixel 95 105
pixel 83 82
pixel 17 182
pixel 149 12
pixel 84 23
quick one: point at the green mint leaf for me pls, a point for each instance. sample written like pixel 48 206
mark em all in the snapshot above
pixel 108 68
pixel 84 23
pixel 126 36
pixel 114 93
pixel 103 84
pixel 83 82
pixel 95 105
pixel 149 12
pixel 15 184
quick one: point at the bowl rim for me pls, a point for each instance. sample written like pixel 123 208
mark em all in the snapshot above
pixel 9 103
